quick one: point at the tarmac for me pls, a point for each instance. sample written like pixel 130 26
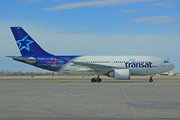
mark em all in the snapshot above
pixel 81 99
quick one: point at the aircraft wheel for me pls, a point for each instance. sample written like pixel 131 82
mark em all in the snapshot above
pixel 99 80
pixel 93 80
pixel 150 80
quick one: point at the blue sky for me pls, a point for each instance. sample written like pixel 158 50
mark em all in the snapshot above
pixel 92 27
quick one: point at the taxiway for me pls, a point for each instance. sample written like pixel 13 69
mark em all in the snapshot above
pixel 121 100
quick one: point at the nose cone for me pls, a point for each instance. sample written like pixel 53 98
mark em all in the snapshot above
pixel 172 66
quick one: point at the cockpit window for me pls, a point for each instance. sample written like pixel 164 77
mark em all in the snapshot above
pixel 166 61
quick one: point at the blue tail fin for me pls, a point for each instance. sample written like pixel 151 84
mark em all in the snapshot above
pixel 27 46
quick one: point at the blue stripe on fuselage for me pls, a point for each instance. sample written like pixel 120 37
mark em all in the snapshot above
pixel 53 63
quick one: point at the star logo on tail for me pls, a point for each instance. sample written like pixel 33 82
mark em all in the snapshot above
pixel 24 43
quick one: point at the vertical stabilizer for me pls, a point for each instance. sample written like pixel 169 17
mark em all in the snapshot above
pixel 26 45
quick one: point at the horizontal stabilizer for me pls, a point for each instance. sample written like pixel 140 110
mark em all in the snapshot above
pixel 28 60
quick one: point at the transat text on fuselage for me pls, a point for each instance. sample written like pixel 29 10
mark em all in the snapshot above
pixel 138 64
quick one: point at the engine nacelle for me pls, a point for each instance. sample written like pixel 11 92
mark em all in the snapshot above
pixel 121 74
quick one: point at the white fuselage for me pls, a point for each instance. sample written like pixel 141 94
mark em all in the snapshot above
pixel 138 65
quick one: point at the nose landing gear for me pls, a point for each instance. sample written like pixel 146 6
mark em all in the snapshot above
pixel 151 80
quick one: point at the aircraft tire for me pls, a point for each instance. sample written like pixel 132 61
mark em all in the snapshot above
pixel 99 80
pixel 93 80
pixel 150 80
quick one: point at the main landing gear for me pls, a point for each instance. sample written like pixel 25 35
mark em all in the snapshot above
pixel 96 80
pixel 151 80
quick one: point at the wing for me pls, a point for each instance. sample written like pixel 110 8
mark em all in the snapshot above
pixel 97 67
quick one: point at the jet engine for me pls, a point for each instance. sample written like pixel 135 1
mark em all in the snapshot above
pixel 121 74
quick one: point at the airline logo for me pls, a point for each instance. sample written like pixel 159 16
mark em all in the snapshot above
pixel 24 43
pixel 132 59
pixel 137 64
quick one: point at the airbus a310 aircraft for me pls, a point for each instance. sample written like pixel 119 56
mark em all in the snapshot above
pixel 118 67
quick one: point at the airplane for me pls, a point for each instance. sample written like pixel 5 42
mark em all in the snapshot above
pixel 117 67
